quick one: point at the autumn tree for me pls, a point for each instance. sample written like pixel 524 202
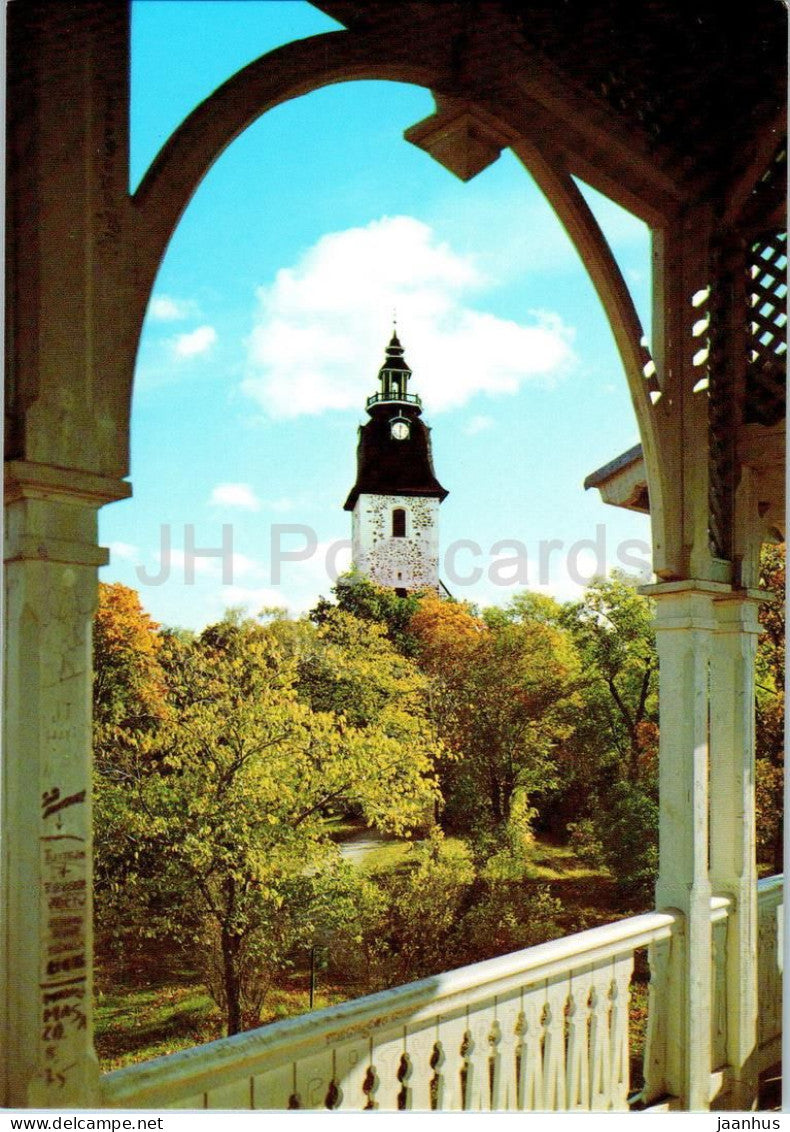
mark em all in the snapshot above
pixel 502 695
pixel 128 679
pixel 129 706
pixel 235 861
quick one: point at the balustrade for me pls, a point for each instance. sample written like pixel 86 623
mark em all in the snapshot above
pixel 545 1028
pixel 769 970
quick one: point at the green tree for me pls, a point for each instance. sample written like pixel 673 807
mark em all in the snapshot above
pixel 610 775
pixel 367 601
pixel 503 696
pixel 224 845
pixel 424 904
pixel 613 629
pixel 770 713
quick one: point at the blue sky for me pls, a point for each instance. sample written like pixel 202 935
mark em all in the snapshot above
pixel 268 322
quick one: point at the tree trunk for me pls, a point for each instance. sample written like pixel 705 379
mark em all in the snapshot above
pixel 232 979
pixel 495 797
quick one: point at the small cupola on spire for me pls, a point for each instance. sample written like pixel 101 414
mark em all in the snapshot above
pixel 394 379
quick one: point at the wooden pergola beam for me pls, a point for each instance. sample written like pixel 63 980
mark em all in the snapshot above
pixel 766 142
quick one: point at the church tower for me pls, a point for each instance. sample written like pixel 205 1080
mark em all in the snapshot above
pixel 395 501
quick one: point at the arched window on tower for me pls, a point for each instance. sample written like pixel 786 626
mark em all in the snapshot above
pixel 399 523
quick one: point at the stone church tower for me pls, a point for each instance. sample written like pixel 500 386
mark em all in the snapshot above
pixel 395 500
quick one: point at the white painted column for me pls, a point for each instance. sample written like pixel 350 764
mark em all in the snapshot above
pixel 732 827
pixel 51 560
pixel 678 1059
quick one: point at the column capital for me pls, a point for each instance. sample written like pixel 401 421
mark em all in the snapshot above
pixel 24 479
pixel 684 586
pixel 718 591
pixel 740 613
pixel 52 513
pixel 685 605
pixel 715 606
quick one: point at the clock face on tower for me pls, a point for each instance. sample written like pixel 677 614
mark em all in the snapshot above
pixel 399 430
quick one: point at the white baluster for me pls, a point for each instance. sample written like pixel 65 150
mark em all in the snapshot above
pixel 623 967
pixel 275 1088
pixel 452 1029
pixel 313 1078
pixel 420 1041
pixel 352 1061
pixel 530 1085
pixel 388 1050
pixel 477 1092
pixel 600 1040
pixel 578 1065
pixel 504 1095
pixel 660 1062
pixel 437 1062
pixel 557 990
pixel 495 1065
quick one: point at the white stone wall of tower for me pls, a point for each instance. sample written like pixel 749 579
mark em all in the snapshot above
pixel 410 562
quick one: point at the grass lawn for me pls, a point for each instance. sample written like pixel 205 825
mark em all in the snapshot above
pixel 136 1023
pixel 161 1009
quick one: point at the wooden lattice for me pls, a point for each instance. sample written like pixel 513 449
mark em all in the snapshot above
pixel 767 363
pixel 687 77
pixel 727 307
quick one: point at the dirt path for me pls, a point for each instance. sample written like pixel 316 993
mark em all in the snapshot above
pixel 356 847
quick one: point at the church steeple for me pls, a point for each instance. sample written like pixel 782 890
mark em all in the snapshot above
pixel 396 497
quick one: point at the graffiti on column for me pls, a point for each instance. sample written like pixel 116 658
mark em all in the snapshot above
pixel 63 977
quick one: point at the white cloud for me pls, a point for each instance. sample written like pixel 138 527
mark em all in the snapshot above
pixel 320 327
pixel 164 308
pixel 480 423
pixel 194 342
pixel 235 495
pixel 243 497
pixel 124 551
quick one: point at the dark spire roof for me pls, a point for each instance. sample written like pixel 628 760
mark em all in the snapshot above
pixel 394 354
pixel 386 466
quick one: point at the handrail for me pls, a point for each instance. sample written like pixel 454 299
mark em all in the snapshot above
pixel 220 1062
pixel 769 886
pixel 399 1016
pixel 392 398
pixel 769 966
